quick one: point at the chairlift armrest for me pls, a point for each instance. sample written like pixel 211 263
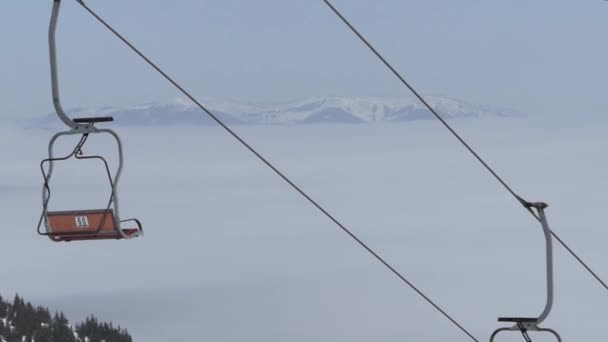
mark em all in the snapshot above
pixel 137 222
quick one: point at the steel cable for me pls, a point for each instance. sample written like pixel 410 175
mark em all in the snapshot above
pixel 277 171
pixel 460 139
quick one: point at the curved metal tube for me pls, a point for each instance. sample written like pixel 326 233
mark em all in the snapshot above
pixel 550 331
pixel 498 331
pixel 531 324
pixel 46 192
pixel 53 59
pixel 549 248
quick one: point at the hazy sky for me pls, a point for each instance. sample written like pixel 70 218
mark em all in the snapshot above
pixel 541 57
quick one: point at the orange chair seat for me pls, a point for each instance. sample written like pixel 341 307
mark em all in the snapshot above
pixel 98 224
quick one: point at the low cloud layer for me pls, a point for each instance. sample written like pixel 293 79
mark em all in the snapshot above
pixel 232 253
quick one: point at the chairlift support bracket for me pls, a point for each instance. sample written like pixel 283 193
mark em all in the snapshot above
pixel 526 324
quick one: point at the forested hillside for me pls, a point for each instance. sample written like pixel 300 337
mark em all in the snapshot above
pixel 20 321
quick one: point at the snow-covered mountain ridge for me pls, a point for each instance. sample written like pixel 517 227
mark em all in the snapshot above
pixel 307 111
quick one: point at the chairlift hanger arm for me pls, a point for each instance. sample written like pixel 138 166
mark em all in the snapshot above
pixel 525 324
pixel 54 70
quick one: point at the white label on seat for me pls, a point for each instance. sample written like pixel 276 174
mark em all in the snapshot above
pixel 82 222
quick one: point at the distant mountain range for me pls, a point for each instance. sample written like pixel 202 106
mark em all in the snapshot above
pixel 307 111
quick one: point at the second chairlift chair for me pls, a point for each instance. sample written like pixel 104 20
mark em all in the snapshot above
pixel 525 324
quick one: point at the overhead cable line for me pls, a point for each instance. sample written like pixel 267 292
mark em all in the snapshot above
pixel 460 139
pixel 277 171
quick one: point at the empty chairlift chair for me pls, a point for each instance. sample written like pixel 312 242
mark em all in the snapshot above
pixel 89 224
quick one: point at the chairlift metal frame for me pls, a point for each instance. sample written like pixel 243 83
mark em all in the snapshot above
pixel 109 225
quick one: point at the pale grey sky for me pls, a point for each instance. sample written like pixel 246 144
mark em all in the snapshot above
pixel 541 57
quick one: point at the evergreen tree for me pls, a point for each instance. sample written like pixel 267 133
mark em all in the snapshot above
pixel 21 321
pixel 60 329
pixel 98 332
pixel 43 334
pixel 3 307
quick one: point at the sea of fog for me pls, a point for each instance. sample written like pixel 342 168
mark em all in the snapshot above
pixel 231 253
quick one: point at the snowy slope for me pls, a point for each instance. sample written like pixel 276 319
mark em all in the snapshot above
pixel 307 111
